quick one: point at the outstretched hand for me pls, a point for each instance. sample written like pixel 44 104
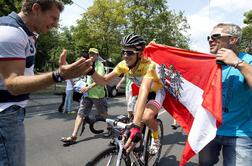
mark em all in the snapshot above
pixel 80 67
pixel 62 58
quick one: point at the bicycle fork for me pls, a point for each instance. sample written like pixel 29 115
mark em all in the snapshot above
pixel 146 133
pixel 120 151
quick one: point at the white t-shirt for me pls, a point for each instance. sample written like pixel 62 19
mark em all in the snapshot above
pixel 69 85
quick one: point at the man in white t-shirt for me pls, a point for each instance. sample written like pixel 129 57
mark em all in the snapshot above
pixel 18 35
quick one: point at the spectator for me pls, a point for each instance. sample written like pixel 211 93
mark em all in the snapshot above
pixel 18 34
pixel 96 96
pixel 234 136
pixel 69 97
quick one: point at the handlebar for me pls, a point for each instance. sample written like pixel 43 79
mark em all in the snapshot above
pixel 111 122
pixel 116 123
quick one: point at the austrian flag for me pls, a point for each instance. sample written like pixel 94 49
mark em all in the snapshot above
pixel 193 84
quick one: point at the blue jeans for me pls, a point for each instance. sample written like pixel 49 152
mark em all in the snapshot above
pixel 236 151
pixel 12 137
pixel 68 101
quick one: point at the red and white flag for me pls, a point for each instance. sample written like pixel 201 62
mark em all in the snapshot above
pixel 197 106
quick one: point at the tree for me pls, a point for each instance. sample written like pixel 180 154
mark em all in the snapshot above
pixel 154 21
pixel 8 6
pixel 248 17
pixel 101 27
pixel 45 57
pixel 246 43
pixel 104 24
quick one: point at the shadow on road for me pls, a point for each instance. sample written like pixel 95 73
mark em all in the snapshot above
pixel 173 161
pixel 175 138
pixel 97 136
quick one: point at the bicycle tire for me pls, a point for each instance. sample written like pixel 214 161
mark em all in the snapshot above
pixel 151 160
pixel 91 125
pixel 105 156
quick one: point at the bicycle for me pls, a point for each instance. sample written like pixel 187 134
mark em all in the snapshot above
pixel 116 155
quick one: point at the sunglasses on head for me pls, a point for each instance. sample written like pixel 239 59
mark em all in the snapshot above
pixel 218 36
pixel 128 52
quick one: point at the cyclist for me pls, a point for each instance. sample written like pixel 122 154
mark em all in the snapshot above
pixel 95 95
pixel 142 71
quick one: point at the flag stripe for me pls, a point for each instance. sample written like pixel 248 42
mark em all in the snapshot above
pixel 194 94
pixel 203 130
pixel 199 107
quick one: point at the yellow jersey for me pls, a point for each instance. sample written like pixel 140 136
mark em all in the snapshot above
pixel 146 69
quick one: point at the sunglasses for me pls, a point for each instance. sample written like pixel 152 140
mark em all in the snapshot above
pixel 217 36
pixel 128 52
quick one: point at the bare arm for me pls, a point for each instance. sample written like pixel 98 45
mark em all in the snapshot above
pixel 141 100
pixel 16 83
pixel 120 82
pixel 246 70
pixel 229 58
pixel 87 88
pixel 103 80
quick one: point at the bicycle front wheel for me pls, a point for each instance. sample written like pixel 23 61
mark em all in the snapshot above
pixel 153 159
pixel 109 157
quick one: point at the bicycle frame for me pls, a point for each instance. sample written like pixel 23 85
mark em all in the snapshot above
pixel 120 144
pixel 116 154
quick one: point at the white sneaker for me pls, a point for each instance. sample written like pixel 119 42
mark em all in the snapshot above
pixel 155 145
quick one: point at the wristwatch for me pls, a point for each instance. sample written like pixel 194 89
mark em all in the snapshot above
pixel 237 62
pixel 56 76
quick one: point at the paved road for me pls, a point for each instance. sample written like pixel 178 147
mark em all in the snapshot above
pixel 44 127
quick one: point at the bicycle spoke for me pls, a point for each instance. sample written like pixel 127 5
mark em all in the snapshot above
pixel 108 158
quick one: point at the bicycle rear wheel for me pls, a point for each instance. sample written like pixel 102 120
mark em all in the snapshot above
pixel 153 159
pixel 108 157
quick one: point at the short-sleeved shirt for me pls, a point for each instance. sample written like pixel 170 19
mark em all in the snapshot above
pixel 146 69
pixel 97 91
pixel 16 43
pixel 236 102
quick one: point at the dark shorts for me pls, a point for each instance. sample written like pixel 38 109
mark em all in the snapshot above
pixel 86 105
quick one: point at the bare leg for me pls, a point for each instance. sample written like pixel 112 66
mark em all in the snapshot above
pixel 149 117
pixel 77 125
pixel 130 114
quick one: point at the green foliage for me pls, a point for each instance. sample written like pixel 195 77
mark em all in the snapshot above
pixel 107 21
pixel 248 17
pixel 246 44
pixel 9 6
pixel 45 57
pixel 153 20
pixel 104 24
pixel 101 27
